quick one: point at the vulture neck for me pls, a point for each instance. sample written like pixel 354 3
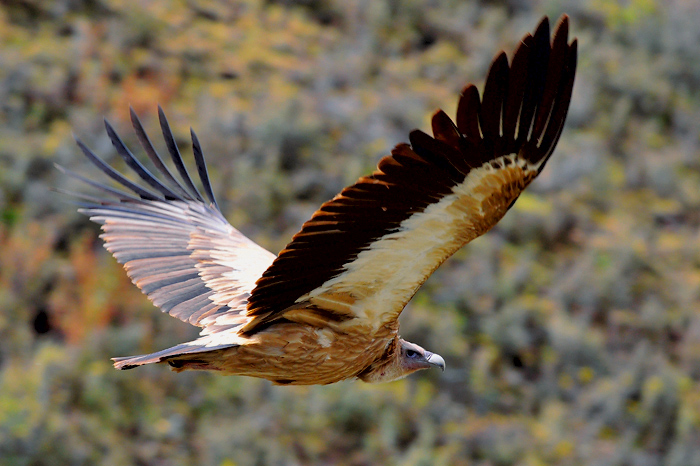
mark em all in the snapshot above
pixel 386 368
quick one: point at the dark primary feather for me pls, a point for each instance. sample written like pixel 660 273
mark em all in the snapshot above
pixel 175 155
pixel 202 168
pixel 114 192
pixel 523 110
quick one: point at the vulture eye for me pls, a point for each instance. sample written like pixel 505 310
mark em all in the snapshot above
pixel 411 353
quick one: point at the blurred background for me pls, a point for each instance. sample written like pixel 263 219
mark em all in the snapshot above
pixel 571 331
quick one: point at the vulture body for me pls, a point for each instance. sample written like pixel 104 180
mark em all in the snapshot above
pixel 326 308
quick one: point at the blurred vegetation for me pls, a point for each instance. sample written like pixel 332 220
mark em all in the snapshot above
pixel 571 331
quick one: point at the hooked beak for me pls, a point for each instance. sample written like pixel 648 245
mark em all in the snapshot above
pixel 435 360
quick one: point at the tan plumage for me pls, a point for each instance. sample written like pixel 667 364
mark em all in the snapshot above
pixel 326 308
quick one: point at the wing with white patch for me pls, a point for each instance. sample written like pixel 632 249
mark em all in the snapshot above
pixel 366 252
pixel 175 245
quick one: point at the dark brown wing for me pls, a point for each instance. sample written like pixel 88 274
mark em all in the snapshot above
pixel 175 245
pixel 365 253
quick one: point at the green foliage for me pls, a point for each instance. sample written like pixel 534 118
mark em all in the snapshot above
pixel 571 331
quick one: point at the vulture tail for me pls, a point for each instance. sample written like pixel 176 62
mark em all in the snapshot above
pixel 174 356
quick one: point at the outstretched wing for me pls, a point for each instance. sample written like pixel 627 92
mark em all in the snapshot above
pixel 367 251
pixel 175 245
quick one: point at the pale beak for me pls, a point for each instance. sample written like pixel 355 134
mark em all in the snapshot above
pixel 435 360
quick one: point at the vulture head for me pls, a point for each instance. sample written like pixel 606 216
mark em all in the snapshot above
pixel 401 359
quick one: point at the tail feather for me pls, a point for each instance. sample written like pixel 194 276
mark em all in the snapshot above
pixel 194 347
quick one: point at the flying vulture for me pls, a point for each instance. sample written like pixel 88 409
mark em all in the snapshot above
pixel 326 308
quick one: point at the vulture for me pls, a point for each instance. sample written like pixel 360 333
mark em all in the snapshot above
pixel 326 307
